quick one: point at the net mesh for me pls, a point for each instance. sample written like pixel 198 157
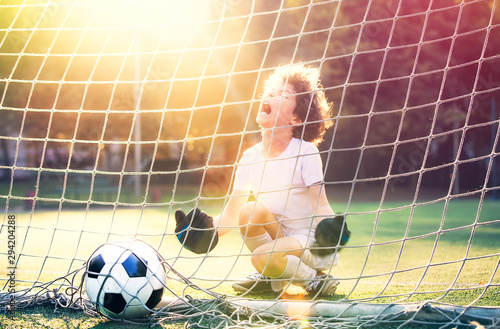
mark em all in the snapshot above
pixel 116 113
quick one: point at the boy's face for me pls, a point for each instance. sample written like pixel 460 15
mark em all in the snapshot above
pixel 277 107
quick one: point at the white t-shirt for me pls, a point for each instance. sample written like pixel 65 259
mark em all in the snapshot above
pixel 281 183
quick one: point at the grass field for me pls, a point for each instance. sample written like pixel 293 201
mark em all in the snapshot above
pixel 398 253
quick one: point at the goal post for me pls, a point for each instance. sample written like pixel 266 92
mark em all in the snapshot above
pixel 113 114
pixel 338 312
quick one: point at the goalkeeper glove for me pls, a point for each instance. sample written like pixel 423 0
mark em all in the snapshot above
pixel 195 231
pixel 331 234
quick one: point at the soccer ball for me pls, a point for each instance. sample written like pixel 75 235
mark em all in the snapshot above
pixel 125 280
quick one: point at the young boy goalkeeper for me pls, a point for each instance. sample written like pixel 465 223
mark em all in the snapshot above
pixel 284 173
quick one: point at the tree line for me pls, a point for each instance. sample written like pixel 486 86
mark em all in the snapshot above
pixel 413 85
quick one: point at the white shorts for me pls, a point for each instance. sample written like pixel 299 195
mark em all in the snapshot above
pixel 304 236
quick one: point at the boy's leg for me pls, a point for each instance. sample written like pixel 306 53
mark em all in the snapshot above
pixel 253 242
pixel 270 260
pixel 258 226
pixel 256 220
pixel 263 236
pixel 314 282
pixel 274 255
pixel 281 259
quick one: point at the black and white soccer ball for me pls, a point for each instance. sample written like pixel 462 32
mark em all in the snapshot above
pixel 125 280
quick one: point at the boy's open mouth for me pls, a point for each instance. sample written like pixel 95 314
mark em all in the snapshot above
pixel 265 108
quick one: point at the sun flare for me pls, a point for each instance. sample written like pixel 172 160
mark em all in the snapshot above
pixel 170 20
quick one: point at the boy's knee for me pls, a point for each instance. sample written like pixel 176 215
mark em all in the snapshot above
pixel 255 219
pixel 245 216
pixel 252 212
pixel 246 213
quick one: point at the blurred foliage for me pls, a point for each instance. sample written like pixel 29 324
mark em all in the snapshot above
pixel 419 75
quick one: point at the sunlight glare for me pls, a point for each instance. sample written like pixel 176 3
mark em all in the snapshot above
pixel 176 20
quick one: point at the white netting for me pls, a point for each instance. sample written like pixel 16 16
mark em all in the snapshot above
pixel 113 114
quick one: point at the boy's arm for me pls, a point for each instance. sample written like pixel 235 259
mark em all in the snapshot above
pixel 228 219
pixel 319 202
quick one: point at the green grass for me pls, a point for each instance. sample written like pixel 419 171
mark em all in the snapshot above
pixel 440 254
pixel 431 252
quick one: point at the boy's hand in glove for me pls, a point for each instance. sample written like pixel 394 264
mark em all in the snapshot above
pixel 196 231
pixel 331 234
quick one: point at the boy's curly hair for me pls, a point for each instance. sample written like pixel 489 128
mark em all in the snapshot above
pixel 315 115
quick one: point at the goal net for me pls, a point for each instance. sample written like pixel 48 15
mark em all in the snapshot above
pixel 113 114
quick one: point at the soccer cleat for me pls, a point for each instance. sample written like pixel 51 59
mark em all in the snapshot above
pixel 322 285
pixel 255 283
